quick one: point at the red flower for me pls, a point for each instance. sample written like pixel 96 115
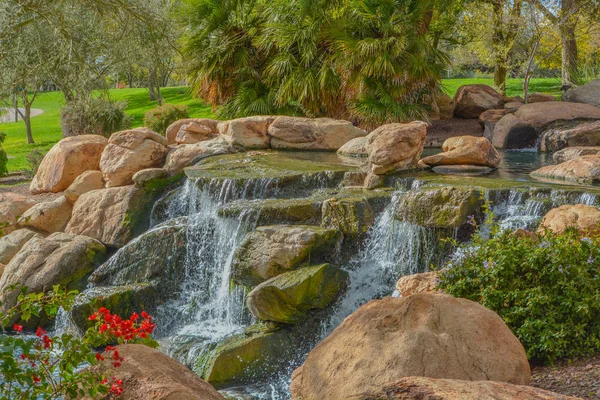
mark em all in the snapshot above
pixel 92 317
pixel 117 364
pixel 18 328
pixel 36 379
pixel 47 342
pixel 40 332
pixel 23 356
pixel 99 357
pixel 145 314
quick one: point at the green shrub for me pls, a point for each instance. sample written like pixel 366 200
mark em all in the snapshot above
pixel 34 159
pixel 546 289
pixel 94 117
pixel 3 157
pixel 158 119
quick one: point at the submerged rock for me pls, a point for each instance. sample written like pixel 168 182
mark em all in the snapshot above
pixel 585 169
pixel 272 250
pixel 430 335
pixel 462 170
pixel 288 298
pixel 584 218
pixel 395 147
pixel 467 150
pixel 471 100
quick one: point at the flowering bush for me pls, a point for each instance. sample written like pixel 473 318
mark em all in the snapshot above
pixel 158 119
pixel 546 288
pixel 52 367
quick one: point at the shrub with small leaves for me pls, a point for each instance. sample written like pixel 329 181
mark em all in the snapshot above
pixel 34 159
pixel 91 116
pixel 3 156
pixel 546 289
pixel 158 119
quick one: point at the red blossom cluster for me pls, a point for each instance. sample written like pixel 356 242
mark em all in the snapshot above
pixel 125 329
pixel 116 387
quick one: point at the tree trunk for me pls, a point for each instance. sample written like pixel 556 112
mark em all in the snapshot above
pixel 500 76
pixel 27 120
pixel 569 53
pixel 151 91
pixel 499 45
pixel 159 95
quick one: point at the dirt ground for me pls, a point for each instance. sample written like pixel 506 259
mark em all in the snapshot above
pixel 580 378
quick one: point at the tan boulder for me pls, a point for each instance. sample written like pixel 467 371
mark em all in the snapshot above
pixel 146 175
pixel 89 180
pixel 131 151
pixel 417 387
pixel 295 133
pixel 408 285
pixel 200 124
pixel 465 150
pixel 443 107
pixel 471 100
pixel 395 147
pixel 583 134
pixel 48 216
pixel 2 267
pixel 585 169
pixel 66 160
pixel 492 115
pixel 247 133
pixel 540 115
pixel 430 335
pixel 12 206
pixel 194 132
pixel 149 374
pixel 512 106
pixel 571 153
pixel 512 133
pixel 540 97
pixel 188 154
pixel 13 242
pixel 354 148
pixel 584 218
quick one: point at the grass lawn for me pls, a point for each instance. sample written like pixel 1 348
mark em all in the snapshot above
pixel 47 131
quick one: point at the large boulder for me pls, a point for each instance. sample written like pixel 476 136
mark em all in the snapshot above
pixel 585 169
pixel 512 133
pixel 588 94
pixel 272 250
pixel 289 297
pixel 197 131
pixel 48 216
pixel 199 124
pixel 537 97
pixel 149 374
pixel 571 153
pixel 187 154
pixel 59 259
pixel 12 206
pixel 354 148
pixel 465 150
pixel 131 151
pixel 488 120
pixel 584 134
pixel 443 107
pixel 247 133
pixel 395 147
pixel 113 216
pixel 408 285
pixel 417 387
pixel 541 115
pixel 586 219
pixel 471 100
pixel 66 160
pixel 352 217
pixel 295 133
pixel 14 241
pixel 430 335
pixel 89 180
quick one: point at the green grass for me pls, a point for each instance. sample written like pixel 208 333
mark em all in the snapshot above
pixel 47 131
pixel 46 127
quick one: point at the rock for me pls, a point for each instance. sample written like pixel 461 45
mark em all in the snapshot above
pixel 471 100
pixel 492 115
pixel 541 115
pixel 418 283
pixel 12 206
pixel 49 216
pixel 113 216
pixel 443 207
pixel 247 133
pixel 354 148
pixel 288 298
pixel 149 374
pixel 202 124
pixel 66 160
pixel 58 259
pixel 246 357
pixel 512 106
pixel 430 335
pixel 585 169
pixel 188 154
pixel 197 131
pixel 131 151
pixel 467 170
pixel 14 241
pixel 586 219
pixel 395 147
pixel 89 180
pixel 468 150
pixel 571 153
pixel 443 107
pixel 588 94
pixel 416 387
pixel 584 134
pixel 295 133
pixel 512 133
pixel 352 218
pixel 373 181
pixel 146 175
pixel 524 233
pixel 2 266
pixel 272 250
pixel 539 97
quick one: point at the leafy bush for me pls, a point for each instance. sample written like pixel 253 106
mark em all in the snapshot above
pixel 34 159
pixel 158 119
pixel 546 288
pixel 3 157
pixel 94 117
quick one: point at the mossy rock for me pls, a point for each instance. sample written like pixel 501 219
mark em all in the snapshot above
pixel 352 217
pixel 443 207
pixel 272 250
pixel 252 356
pixel 276 211
pixel 289 297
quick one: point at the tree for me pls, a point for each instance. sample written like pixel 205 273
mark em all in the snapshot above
pixel 506 18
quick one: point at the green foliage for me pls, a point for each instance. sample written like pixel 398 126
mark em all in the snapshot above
pixel 3 157
pixel 158 119
pixel 546 288
pixel 34 159
pixel 93 116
